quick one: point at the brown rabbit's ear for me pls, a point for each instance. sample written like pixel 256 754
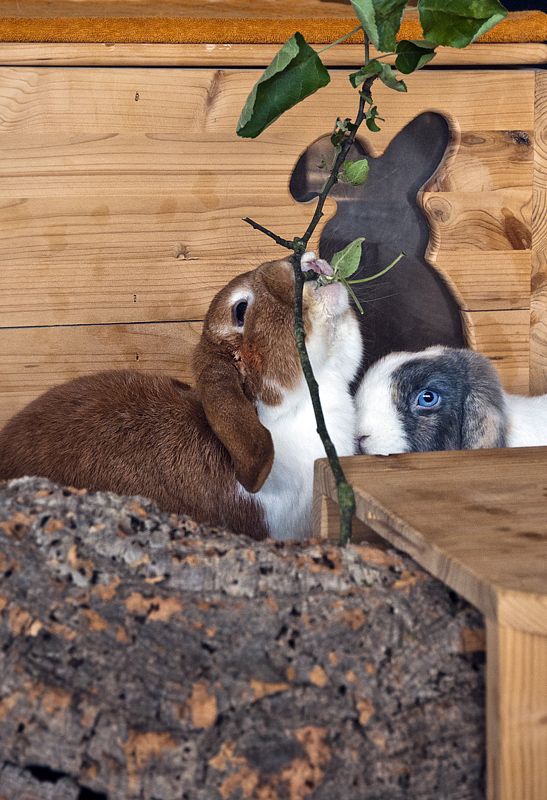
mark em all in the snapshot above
pixel 235 422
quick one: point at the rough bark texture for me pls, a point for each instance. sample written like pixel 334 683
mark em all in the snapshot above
pixel 144 656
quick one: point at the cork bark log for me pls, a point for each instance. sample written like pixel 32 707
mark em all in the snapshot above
pixel 144 656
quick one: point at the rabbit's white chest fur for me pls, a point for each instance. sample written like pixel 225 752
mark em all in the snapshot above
pixel 335 354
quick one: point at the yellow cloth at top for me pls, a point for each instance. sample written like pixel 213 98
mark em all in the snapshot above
pixel 519 26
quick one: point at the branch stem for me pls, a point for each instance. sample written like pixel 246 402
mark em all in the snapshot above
pixel 379 274
pixel 328 46
pixel 271 234
pixel 346 497
pixel 345 147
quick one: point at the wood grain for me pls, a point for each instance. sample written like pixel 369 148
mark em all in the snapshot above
pixel 243 55
pixel 538 326
pixel 122 193
pixel 102 100
pixel 97 259
pixel 488 161
pixel 516 700
pixel 489 280
pixel 488 220
pixel 503 336
pixel 34 359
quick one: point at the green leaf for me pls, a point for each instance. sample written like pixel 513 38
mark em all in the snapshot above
pixel 383 71
pixel 340 129
pixel 460 22
pixel 346 261
pixel 364 11
pixel 381 19
pixel 370 119
pixel 388 77
pixel 295 73
pixel 356 171
pixel 323 164
pixel 412 56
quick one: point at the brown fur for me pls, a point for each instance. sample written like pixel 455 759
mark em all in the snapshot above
pixel 129 433
pixel 133 433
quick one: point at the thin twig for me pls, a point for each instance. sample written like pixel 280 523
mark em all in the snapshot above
pixel 342 39
pixel 346 497
pixel 283 242
pixel 345 147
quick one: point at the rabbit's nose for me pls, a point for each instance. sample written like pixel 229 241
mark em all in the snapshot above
pixel 362 442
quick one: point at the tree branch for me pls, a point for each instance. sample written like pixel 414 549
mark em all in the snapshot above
pixel 346 497
pixel 283 242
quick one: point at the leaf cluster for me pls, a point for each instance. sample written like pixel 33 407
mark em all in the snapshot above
pixel 297 71
pixel 346 262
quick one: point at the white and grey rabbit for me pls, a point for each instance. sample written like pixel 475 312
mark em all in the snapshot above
pixel 235 450
pixel 443 398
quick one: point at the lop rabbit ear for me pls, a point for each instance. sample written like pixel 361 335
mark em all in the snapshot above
pixel 484 417
pixel 234 420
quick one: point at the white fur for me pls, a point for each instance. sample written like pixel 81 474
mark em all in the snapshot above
pixel 379 428
pixel 334 347
pixel 526 420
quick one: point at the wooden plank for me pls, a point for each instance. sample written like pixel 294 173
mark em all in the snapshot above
pixel 538 327
pixel 137 257
pixel 327 519
pixel 498 220
pixel 102 206
pixel 102 100
pixel 487 161
pixel 484 161
pixel 475 519
pixel 33 360
pixel 112 210
pixel 244 55
pixel 503 336
pixel 516 700
pixel 488 280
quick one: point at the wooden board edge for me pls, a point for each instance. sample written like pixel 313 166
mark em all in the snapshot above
pixel 402 536
pixel 244 55
pixel 538 317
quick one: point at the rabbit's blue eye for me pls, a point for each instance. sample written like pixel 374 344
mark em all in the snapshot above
pixel 428 399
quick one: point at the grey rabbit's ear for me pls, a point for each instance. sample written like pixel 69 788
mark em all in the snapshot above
pixel 484 418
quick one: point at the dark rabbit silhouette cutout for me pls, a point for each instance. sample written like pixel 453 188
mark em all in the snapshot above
pixel 410 307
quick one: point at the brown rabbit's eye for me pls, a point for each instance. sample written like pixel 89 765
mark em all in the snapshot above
pixel 239 312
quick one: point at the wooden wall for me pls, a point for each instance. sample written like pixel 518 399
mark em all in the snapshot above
pixel 122 192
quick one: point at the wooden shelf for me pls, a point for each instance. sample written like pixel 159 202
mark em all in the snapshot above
pixel 477 520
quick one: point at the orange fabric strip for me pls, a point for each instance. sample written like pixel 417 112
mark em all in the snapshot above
pixel 519 26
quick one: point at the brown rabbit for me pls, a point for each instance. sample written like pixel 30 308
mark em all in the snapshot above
pixel 236 450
